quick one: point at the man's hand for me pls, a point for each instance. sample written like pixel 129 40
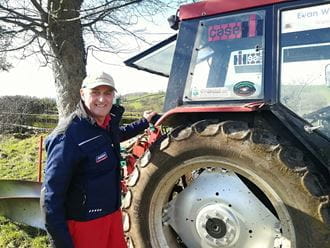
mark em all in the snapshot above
pixel 149 114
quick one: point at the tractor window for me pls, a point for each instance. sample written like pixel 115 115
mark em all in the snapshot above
pixel 305 64
pixel 227 60
pixel 157 59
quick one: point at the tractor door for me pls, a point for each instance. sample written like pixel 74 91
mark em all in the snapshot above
pixel 305 64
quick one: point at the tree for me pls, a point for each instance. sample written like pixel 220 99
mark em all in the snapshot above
pixel 4 65
pixel 58 30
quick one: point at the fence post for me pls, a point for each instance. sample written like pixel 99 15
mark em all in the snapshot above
pixel 40 159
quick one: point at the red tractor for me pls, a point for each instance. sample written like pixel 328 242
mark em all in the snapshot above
pixel 245 161
pixel 241 157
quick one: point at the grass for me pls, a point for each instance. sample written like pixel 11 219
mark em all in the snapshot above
pixel 19 157
pixel 18 160
pixel 14 235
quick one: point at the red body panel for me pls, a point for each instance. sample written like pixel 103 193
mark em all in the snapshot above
pixel 212 7
pixel 212 109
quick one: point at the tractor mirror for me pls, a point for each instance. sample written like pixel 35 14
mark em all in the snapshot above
pixel 174 21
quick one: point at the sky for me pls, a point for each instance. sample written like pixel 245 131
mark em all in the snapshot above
pixel 29 78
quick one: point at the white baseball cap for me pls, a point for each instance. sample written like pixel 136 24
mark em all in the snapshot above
pixel 98 79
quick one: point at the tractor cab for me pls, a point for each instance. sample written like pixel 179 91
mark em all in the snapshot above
pixel 277 55
pixel 245 160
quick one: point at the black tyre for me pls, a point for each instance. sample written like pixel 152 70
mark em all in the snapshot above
pixel 226 185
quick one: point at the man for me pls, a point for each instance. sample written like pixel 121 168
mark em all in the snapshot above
pixel 80 196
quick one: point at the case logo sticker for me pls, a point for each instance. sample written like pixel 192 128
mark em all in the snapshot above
pixel 236 30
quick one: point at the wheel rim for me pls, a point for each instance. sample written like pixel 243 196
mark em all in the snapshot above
pixel 217 209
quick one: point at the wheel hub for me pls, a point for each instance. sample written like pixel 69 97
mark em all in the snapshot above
pixel 217 226
pixel 218 210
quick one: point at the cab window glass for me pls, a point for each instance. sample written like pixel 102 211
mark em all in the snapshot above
pixel 305 64
pixel 227 60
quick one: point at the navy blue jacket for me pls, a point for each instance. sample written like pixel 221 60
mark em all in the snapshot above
pixel 82 175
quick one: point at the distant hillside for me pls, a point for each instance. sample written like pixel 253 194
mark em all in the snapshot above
pixel 139 102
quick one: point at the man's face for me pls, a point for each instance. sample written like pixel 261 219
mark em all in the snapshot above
pixel 98 101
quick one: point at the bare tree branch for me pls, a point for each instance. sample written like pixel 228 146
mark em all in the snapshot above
pixel 22 46
pixel 102 11
pixel 17 15
pixel 25 26
pixel 42 12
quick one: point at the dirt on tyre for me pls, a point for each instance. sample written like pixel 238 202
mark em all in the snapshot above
pixel 225 184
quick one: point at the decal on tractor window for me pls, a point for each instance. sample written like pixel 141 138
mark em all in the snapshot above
pixel 246 58
pixel 304 19
pixel 236 30
pixel 244 88
pixel 225 31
